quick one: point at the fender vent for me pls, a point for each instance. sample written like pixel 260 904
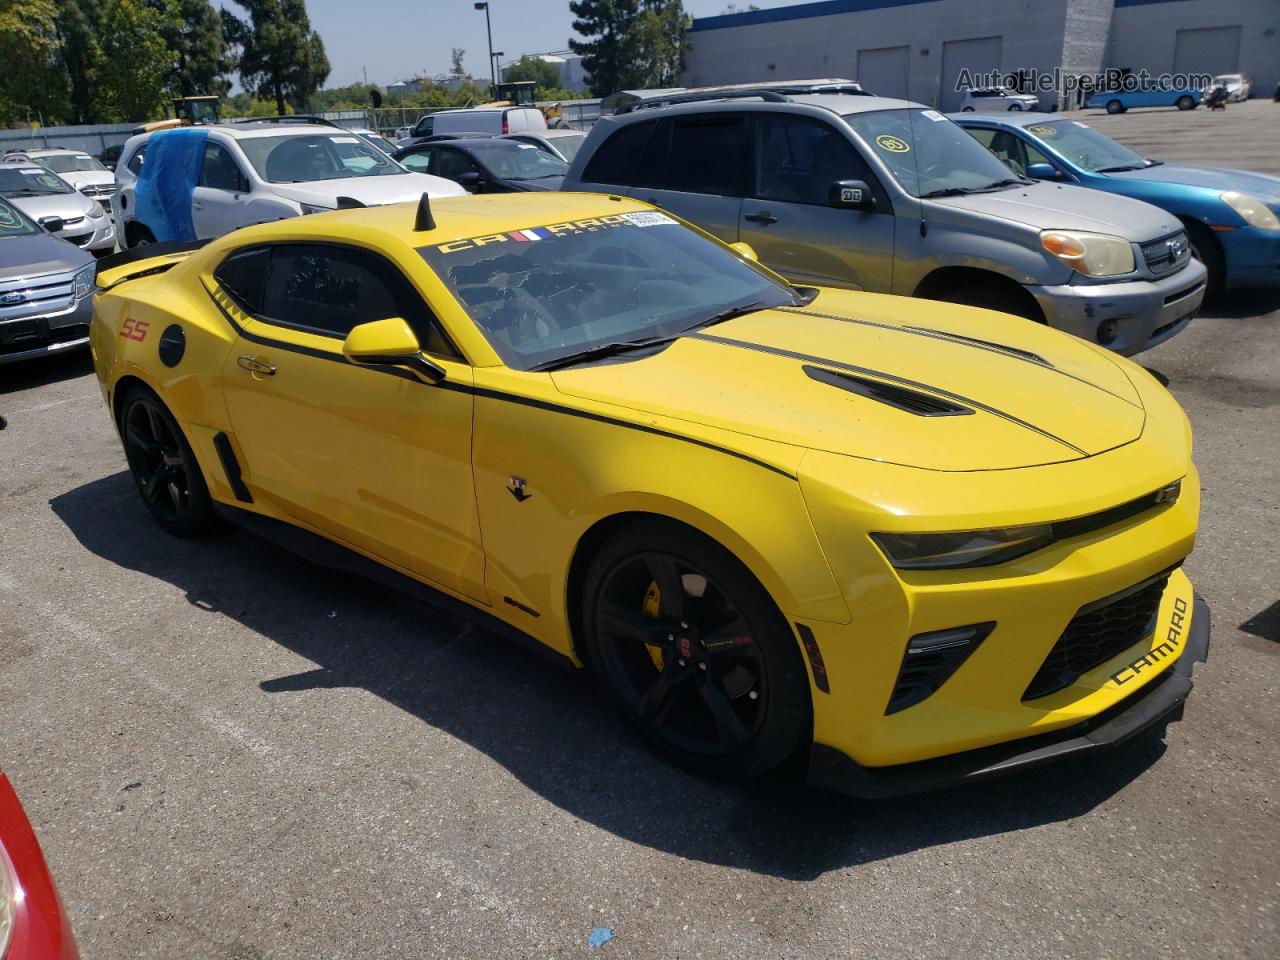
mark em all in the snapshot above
pixel 903 398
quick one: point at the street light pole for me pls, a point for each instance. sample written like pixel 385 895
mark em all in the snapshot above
pixel 488 28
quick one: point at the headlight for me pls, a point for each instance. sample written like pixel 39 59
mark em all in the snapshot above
pixel 96 211
pixel 1252 210
pixel 84 281
pixel 1093 254
pixel 972 548
pixel 312 208
pixel 8 905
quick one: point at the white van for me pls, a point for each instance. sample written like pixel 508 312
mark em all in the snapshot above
pixel 491 120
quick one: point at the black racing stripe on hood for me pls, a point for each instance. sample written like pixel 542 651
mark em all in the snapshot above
pixel 892 378
pixel 987 345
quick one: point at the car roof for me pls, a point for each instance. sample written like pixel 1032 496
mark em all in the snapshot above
pixel 842 104
pixel 455 217
pixel 46 151
pixel 1015 118
pixel 249 131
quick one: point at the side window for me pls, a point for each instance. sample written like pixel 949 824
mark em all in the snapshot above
pixel 244 276
pixel 329 289
pixel 708 154
pixel 453 164
pixel 798 158
pixel 653 163
pixel 1009 150
pixel 419 162
pixel 616 160
pixel 982 134
pixel 220 170
pixel 1034 155
pixel 423 128
pixel 135 161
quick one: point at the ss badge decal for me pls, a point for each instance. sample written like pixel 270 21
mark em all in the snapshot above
pixel 516 487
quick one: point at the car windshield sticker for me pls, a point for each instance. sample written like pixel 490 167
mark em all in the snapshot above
pixel 8 218
pixel 887 141
pixel 647 219
pixel 933 115
pixel 526 146
pixel 345 139
pixel 552 230
pixel 1043 130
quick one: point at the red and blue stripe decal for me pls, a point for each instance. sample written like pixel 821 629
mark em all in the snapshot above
pixel 536 233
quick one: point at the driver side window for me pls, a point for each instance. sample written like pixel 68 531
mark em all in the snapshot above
pixel 797 159
pixel 419 162
pixel 219 171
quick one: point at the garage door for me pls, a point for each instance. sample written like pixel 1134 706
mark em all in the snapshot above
pixel 977 56
pixel 1209 50
pixel 883 72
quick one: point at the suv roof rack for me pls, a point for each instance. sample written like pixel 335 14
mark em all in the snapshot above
pixel 290 118
pixel 778 92
pixel 671 99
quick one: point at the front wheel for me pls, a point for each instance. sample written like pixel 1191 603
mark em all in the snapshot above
pixel 1115 106
pixel 164 467
pixel 1015 106
pixel 966 109
pixel 1186 103
pixel 695 652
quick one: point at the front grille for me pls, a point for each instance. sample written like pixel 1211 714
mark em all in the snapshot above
pixel 22 297
pixel 1098 632
pixel 99 192
pixel 82 240
pixel 1167 254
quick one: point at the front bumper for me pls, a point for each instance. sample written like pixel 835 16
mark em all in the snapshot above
pixel 1252 257
pixel 25 338
pixel 1160 700
pixel 100 238
pixel 1148 312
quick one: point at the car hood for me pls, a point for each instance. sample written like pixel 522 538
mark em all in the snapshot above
pixel 1047 206
pixel 85 178
pixel 39 254
pixel 1029 395
pixel 371 191
pixel 1260 185
pixel 64 205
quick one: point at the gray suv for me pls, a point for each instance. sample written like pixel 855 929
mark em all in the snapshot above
pixel 46 287
pixel 891 197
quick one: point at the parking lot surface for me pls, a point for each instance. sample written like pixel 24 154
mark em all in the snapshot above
pixel 228 753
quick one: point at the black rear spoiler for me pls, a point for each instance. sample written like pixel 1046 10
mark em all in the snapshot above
pixel 148 259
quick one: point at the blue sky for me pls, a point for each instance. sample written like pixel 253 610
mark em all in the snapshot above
pixel 392 39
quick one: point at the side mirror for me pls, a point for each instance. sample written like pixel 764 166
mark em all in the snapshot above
pixel 471 181
pixel 389 343
pixel 52 224
pixel 1043 171
pixel 851 194
pixel 746 250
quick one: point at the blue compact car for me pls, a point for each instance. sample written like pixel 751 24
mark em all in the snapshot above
pixel 1118 101
pixel 1232 216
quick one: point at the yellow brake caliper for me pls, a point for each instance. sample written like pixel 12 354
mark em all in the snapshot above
pixel 652 608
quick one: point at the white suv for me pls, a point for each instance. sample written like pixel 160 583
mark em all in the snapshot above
pixel 85 173
pixel 998 98
pixel 200 182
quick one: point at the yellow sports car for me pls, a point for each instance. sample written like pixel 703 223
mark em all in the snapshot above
pixel 912 542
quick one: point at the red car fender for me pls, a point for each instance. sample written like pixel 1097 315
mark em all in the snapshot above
pixel 41 930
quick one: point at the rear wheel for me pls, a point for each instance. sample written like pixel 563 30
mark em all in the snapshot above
pixel 138 235
pixel 164 467
pixel 695 652
pixel 1186 103
pixel 1115 106
pixel 1016 106
pixel 966 109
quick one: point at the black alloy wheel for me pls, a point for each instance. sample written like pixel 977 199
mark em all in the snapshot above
pixel 164 468
pixel 696 654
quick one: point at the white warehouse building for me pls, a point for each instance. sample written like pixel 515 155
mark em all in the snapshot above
pixel 920 48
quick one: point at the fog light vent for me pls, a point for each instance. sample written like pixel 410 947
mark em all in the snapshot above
pixel 930 659
pixel 1108 330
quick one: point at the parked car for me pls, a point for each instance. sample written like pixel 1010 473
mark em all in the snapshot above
pixel 561 144
pixel 490 120
pixel 891 197
pixel 200 182
pixel 998 98
pixel 46 285
pixel 87 174
pixel 111 156
pixel 486 165
pixel 1232 217
pixel 33 922
pixel 1119 101
pixel 45 197
pixel 1236 84
pixel 734 499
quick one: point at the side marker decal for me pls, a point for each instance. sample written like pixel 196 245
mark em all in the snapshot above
pixel 810 643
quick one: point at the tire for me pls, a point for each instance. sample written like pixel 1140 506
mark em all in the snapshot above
pixel 1185 103
pixel 164 468
pixel 138 235
pixel 694 651
pixel 966 109
pixel 995 295
pixel 1015 107
pixel 1206 249
pixel 1115 106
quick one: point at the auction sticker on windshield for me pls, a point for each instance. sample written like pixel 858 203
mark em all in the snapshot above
pixel 647 219
pixel 345 139
pixel 887 141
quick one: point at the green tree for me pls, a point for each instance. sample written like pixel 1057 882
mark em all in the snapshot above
pixel 79 26
pixel 32 84
pixel 135 63
pixel 201 59
pixel 630 43
pixel 533 68
pixel 604 23
pixel 455 58
pixel 657 41
pixel 281 57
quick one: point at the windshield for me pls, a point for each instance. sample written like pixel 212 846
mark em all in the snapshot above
pixel 13 223
pixel 568 145
pixel 928 154
pixel 1226 78
pixel 30 182
pixel 379 141
pixel 519 161
pixel 1085 147
pixel 309 157
pixel 543 293
pixel 71 163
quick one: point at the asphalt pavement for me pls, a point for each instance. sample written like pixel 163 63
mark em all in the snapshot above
pixel 228 753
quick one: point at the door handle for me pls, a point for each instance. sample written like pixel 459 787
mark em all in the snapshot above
pixel 764 216
pixel 256 366
pixel 197 205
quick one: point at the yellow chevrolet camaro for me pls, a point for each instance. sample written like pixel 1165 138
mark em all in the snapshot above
pixel 913 543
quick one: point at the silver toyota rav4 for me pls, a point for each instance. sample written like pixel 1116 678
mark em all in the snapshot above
pixel 891 197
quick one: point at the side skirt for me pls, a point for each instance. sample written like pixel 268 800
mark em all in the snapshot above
pixel 325 553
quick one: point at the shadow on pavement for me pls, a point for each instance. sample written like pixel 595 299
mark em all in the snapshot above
pixel 29 374
pixel 1239 304
pixel 547 725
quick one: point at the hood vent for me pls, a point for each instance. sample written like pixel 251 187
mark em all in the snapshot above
pixel 903 398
